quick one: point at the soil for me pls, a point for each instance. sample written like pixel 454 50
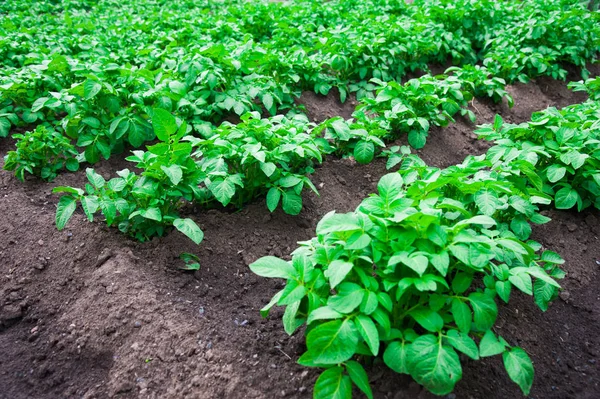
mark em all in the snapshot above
pixel 88 313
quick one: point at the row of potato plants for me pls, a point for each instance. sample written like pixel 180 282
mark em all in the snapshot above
pixel 233 164
pixel 77 73
pixel 414 274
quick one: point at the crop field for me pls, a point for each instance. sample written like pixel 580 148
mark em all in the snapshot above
pixel 301 198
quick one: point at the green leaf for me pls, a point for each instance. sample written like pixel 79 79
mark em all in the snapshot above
pixel 292 203
pixel 479 219
pixel 503 289
pixel 323 313
pixel 164 124
pixel 333 384
pixel 519 367
pixel 566 198
pixel 267 100
pixel 174 173
pixel 359 377
pixel 268 168
pixel 191 261
pixel 462 315
pixel 333 342
pixel 64 211
pixel 90 89
pixel 487 201
pixel 433 365
pixel 348 298
pixel 94 178
pixel 555 172
pixel 428 319
pixel 290 320
pixel 490 345
pixel 223 190
pixel 337 271
pixel 367 329
pixel 520 227
pixel 417 263
pixel 417 139
pixel 72 165
pixel 364 152
pixel 151 214
pixel 462 342
pixel 390 186
pixel 90 206
pixel 189 228
pixel 4 127
pixel 273 197
pixel 395 356
pixel 484 309
pixel 543 293
pixel 272 267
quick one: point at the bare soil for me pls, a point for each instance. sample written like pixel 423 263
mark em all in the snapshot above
pixel 88 313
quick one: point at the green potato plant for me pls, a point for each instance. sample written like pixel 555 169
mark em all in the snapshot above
pixel 414 276
pixel 42 152
pixel 562 148
pixel 143 205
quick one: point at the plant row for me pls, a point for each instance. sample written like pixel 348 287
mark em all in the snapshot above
pixel 93 69
pixel 234 164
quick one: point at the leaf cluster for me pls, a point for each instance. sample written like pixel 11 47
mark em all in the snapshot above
pixel 414 275
pixel 42 152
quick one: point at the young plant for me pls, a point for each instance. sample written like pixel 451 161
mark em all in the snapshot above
pixel 43 153
pixel 413 276
pixel 146 205
pixel 258 156
pixel 562 147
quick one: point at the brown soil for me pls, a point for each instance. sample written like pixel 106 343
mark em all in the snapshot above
pixel 88 313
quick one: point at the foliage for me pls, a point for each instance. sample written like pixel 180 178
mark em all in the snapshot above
pixel 411 109
pixel 97 69
pixel 591 86
pixel 144 205
pixel 413 275
pixel 255 157
pixel 562 148
pixel 43 153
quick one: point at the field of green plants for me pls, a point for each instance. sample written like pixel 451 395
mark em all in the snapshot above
pixel 201 97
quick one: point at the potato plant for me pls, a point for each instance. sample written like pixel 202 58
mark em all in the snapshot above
pixel 562 147
pixel 145 205
pixel 42 152
pixel 414 276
